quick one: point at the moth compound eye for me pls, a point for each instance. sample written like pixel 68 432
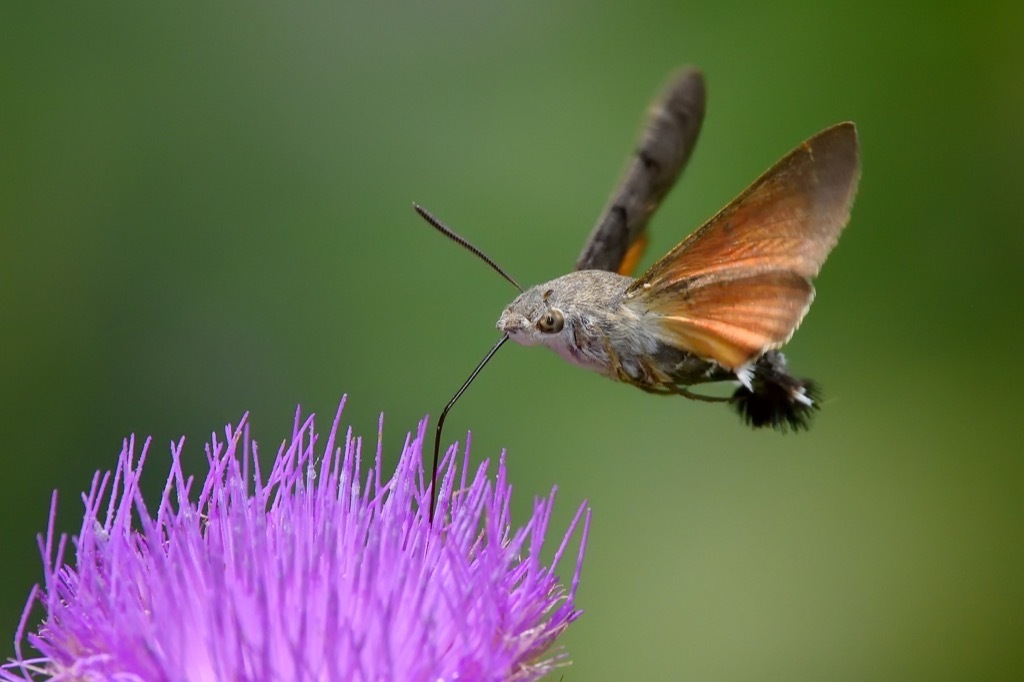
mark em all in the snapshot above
pixel 551 322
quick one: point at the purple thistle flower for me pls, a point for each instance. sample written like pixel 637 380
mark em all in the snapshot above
pixel 319 572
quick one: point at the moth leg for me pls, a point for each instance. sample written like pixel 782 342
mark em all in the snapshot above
pixel 671 388
pixel 647 388
pixel 617 372
pixel 679 390
pixel 615 364
pixel 658 383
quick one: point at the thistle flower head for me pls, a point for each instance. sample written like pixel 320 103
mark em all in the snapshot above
pixel 318 571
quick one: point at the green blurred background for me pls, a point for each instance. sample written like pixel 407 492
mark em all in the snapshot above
pixel 205 210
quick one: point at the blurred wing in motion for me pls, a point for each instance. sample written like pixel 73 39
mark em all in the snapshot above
pixel 618 240
pixel 740 285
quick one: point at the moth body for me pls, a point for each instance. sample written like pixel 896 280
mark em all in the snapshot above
pixel 590 319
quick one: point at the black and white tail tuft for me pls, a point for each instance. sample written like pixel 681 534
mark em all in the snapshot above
pixel 775 398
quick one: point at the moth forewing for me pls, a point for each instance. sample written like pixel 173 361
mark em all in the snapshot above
pixel 618 239
pixel 740 284
pixel 788 219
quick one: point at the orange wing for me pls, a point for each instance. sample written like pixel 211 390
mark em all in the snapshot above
pixel 740 285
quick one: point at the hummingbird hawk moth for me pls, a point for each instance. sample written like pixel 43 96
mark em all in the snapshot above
pixel 720 304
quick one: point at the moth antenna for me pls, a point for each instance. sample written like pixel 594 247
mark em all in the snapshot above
pixel 461 241
pixel 444 413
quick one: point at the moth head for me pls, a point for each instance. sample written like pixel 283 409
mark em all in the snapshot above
pixel 533 318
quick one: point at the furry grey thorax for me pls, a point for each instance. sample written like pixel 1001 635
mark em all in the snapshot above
pixel 605 331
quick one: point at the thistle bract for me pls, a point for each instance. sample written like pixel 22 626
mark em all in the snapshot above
pixel 317 571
